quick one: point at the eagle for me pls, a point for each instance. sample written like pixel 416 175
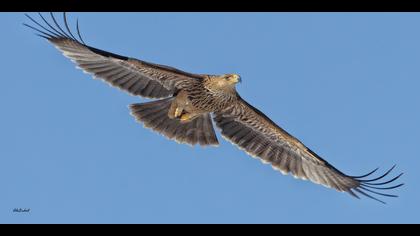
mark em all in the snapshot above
pixel 188 104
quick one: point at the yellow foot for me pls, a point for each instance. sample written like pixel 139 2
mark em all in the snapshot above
pixel 178 112
pixel 185 118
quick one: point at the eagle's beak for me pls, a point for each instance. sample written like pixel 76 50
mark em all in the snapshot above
pixel 236 78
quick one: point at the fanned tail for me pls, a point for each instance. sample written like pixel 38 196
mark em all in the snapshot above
pixel 154 115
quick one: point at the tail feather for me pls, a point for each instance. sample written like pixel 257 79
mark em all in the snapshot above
pixel 154 115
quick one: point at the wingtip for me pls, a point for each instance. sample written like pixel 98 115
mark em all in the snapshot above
pixel 51 29
pixel 366 186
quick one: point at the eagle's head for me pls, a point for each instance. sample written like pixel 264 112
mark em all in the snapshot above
pixel 232 78
pixel 223 83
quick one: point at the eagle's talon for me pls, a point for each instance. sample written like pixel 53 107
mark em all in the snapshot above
pixel 178 112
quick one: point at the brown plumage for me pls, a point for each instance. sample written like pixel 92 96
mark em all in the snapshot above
pixel 189 101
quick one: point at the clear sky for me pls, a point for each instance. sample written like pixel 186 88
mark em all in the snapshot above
pixel 346 84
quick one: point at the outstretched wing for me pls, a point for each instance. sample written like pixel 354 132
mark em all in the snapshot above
pixel 256 134
pixel 134 76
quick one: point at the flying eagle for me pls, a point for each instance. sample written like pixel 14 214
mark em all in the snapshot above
pixel 189 102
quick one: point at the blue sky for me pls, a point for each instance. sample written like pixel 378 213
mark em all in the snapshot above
pixel 346 84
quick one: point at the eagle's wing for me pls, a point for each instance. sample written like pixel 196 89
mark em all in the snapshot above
pixel 256 134
pixel 134 76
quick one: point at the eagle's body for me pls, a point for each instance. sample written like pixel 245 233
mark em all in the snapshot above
pixel 206 95
pixel 187 103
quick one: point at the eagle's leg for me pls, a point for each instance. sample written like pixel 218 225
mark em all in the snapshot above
pixel 176 110
pixel 179 105
pixel 182 109
pixel 182 114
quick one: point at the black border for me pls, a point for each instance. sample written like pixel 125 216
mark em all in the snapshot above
pixel 211 6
